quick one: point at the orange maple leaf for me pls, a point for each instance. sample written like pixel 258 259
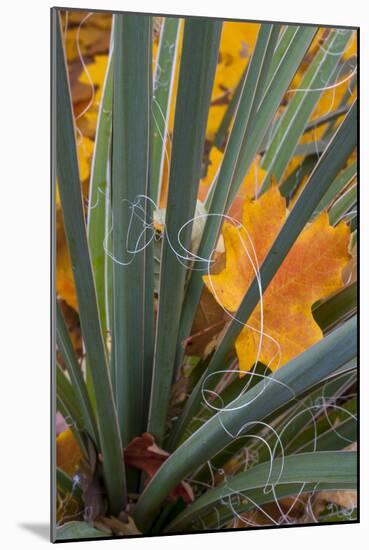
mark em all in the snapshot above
pixel 68 452
pixel 311 271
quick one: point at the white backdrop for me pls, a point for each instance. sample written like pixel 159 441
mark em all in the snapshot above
pixel 24 271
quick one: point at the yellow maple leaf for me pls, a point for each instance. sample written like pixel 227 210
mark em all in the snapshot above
pixel 68 457
pixel 65 287
pixel 85 149
pixel 311 271
pixel 96 73
pixel 68 453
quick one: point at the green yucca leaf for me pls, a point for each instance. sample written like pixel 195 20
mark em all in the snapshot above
pixel 291 184
pixel 337 469
pixel 336 437
pixel 270 101
pixel 74 370
pixel 353 226
pixel 333 386
pixel 66 484
pixel 198 63
pixel 62 407
pixel 285 40
pixel 226 512
pixel 163 86
pixel 75 530
pixel 307 421
pixel 98 205
pixel 340 182
pixel 221 133
pixel 332 160
pixel 294 378
pixel 237 158
pixel 292 123
pixel 75 229
pixel 343 205
pixel 67 395
pixel 312 125
pixel 337 308
pixel 327 117
pixel 305 415
pixel 131 248
pixel 312 147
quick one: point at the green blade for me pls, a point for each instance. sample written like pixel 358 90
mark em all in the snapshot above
pixel 335 467
pixel 291 183
pixel 66 484
pixel 334 157
pixel 198 63
pixel 271 100
pixel 66 394
pixel 337 308
pixel 96 215
pixel 285 40
pixel 285 385
pixel 62 407
pixel 343 205
pixel 131 246
pixel 224 514
pixel 337 436
pixel 310 421
pixel 163 87
pixel 299 110
pixel 76 530
pixel 75 229
pixel 220 137
pixel 332 386
pixel 74 370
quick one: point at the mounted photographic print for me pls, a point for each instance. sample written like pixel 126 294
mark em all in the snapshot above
pixel 204 177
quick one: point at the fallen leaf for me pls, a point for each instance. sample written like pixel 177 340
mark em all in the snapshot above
pixel 68 453
pixel 143 453
pixel 311 271
pixel 98 19
pixel 92 40
pixel 345 499
pixel 96 73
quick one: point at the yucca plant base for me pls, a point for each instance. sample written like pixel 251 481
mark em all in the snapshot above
pixel 181 415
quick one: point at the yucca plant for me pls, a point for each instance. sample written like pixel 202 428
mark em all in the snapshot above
pixel 232 448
